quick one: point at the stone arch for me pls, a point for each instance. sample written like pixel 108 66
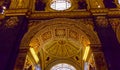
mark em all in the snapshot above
pixel 31 32
pixel 38 26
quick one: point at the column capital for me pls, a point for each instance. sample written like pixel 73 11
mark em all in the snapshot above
pixel 101 21
pixel 96 47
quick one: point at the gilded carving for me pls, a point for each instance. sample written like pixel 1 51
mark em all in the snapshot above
pixel 46 35
pixel 74 35
pixel 12 22
pixel 61 48
pixel 101 21
pixel 60 32
pixel 114 22
pixel 27 63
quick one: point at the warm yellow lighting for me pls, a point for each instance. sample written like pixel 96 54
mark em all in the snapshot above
pixel 86 53
pixel 34 55
pixel 20 3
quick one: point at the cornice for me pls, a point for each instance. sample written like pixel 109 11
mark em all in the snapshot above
pixel 15 12
pixel 114 12
pixel 62 14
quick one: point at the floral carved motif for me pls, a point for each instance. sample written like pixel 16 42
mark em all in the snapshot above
pixel 46 35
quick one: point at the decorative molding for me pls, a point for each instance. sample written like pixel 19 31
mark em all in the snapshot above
pixel 12 22
pixel 74 35
pixel 62 49
pixel 16 12
pixel 102 21
pixel 96 47
pixel 60 32
pixel 66 14
pixel 46 35
pixel 114 23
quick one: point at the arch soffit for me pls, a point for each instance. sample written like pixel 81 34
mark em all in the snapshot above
pixel 91 35
pixel 77 66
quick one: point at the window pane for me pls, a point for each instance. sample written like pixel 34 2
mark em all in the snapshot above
pixel 63 66
pixel 60 4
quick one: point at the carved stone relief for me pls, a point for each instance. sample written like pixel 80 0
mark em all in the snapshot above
pixel 101 21
pixel 11 22
pixel 60 32
pixel 46 35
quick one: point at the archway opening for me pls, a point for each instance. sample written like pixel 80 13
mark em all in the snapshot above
pixel 56 40
pixel 63 66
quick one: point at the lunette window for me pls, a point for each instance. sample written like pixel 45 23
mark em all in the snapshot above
pixel 63 66
pixel 60 4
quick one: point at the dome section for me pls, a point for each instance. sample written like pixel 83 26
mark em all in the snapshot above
pixel 62 48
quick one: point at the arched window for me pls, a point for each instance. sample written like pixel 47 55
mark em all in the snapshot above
pixel 60 4
pixel 63 66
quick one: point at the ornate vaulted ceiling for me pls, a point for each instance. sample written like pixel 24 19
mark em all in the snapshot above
pixel 59 39
pixel 60 36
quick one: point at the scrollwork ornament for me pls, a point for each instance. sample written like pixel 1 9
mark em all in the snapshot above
pixel 102 21
pixel 11 22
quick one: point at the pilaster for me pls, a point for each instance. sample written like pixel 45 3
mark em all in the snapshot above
pixel 19 65
pixel 98 57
